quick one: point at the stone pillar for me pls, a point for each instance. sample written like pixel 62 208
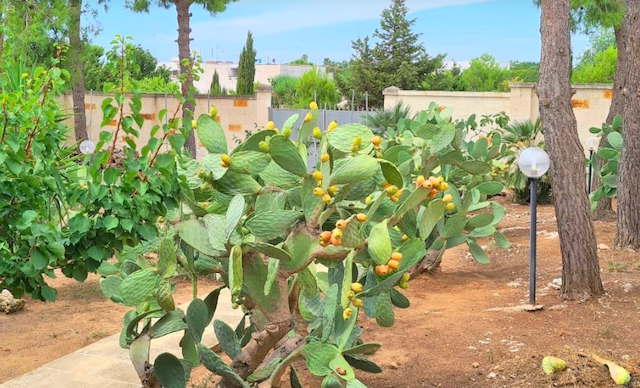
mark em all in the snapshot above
pixel 523 102
pixel 263 103
pixel 391 96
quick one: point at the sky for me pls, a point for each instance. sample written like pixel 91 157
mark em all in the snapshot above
pixel 285 29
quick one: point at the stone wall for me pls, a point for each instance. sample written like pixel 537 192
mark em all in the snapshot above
pixel 235 113
pixel 590 102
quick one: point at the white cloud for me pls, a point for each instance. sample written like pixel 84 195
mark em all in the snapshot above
pixel 302 14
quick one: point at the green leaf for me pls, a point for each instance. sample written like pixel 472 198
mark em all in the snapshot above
pixel 215 364
pixel 478 253
pixel 490 188
pixel 384 310
pixel 475 167
pixel 273 224
pixel 110 222
pixel 286 155
pixel 318 356
pixel 110 285
pixel 235 272
pixel 365 348
pixel 171 322
pixel 211 134
pixel 391 173
pixel 379 243
pixel 111 175
pixel 607 153
pixel 39 259
pixel 136 287
pixel 227 339
pixel 341 138
pixel 270 250
pixel 359 168
pixel 430 217
pixel 197 318
pixel 212 164
pixel 169 371
pixel 234 214
pixel 362 364
pixel 501 240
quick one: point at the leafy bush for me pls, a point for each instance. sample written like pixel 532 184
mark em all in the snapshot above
pixel 324 88
pixel 484 74
pixel 382 120
pixel 284 91
pixel 258 217
pixel 609 151
pixel 156 84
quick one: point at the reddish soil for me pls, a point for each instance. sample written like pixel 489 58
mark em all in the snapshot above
pixel 43 332
pixel 445 339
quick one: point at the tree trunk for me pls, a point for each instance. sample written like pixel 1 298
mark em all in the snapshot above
pixel 184 55
pixel 604 210
pixel 628 231
pixel 580 269
pixel 77 76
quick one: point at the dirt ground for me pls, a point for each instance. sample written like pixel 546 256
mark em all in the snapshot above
pixel 447 338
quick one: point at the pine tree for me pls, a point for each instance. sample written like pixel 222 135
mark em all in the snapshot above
pixel 246 68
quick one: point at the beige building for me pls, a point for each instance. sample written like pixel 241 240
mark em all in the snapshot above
pixel 228 73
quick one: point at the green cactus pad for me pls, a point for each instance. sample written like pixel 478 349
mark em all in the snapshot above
pixel 318 356
pixel 480 221
pixel 478 253
pixel 215 364
pixel 379 243
pixel 368 348
pixel 265 372
pixel 227 339
pixel 398 299
pixel 329 310
pixel 340 363
pixel 272 271
pixel 255 276
pixel 341 138
pixel 164 296
pixel 110 285
pixel 429 217
pixel 249 162
pixel 137 287
pixel 270 198
pixel 170 323
pixel 252 143
pixel 273 224
pixel 197 318
pixel 211 135
pixel 454 225
pixel 286 155
pixel 235 272
pixel 169 371
pixel 306 129
pixel 232 183
pixel 331 382
pixel 234 214
pixel 391 173
pixel 270 250
pixel 277 176
pixel 362 363
pixel 167 258
pixel 384 310
pixel 211 163
pixel 139 354
pixel 356 169
pixel 490 188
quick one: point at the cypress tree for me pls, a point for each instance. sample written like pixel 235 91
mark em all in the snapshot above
pixel 246 68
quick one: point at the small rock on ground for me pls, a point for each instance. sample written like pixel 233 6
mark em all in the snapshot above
pixel 9 304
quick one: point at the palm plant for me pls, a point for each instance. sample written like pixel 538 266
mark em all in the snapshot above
pixel 518 136
pixel 383 120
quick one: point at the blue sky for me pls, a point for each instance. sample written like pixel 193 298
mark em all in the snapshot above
pixel 286 29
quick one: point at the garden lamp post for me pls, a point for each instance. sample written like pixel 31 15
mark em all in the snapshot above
pixel 591 143
pixel 533 163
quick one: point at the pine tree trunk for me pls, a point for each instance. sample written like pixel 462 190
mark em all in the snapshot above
pixel 77 76
pixel 604 210
pixel 628 231
pixel 184 54
pixel 580 269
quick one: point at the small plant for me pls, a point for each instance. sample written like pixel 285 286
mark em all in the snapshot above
pixel 381 121
pixel 609 152
pixel 613 266
pixel 369 211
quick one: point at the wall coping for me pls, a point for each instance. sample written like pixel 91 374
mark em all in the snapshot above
pixel 169 95
pixel 532 85
pixel 443 93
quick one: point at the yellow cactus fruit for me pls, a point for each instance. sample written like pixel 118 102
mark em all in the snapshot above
pixel 317 175
pixel 264 147
pixel 552 364
pixel 447 198
pixel 357 140
pixel 351 295
pixel 440 179
pixel 403 285
pixel 450 206
pixel 286 132
pixel 346 314
pixel 276 130
pixel 313 105
pixel 318 192
pixel 308 117
pixel 271 125
pixel 324 158
pixel 317 133
pixel 361 217
pixel 337 233
pixel 419 180
pixel 193 123
pixel 326 198
pixel 341 224
pixel 443 186
pixel 396 256
pixel 385 184
pixel 393 264
pixel 404 238
pixel 357 302
pixel 391 190
pixel 356 287
pixel 332 190
pixel 405 277
pixel 224 158
pixel 213 112
pixel 382 270
pixel 223 164
pixel 376 140
pixel 394 198
pixel 332 126
pixel 368 200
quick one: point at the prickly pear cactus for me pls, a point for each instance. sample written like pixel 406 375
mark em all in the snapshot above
pixel 609 153
pixel 307 250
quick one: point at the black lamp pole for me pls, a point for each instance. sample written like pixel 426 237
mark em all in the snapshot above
pixel 590 171
pixel 532 241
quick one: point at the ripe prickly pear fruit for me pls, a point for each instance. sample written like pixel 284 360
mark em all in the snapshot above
pixel 376 140
pixel 326 198
pixel 552 364
pixel 382 270
pixel 224 158
pixel 447 198
pixel 332 125
pixel 432 193
pixel 318 192
pixel 450 206
pixel 356 302
pixel 271 125
pixel 396 256
pixel 325 236
pixel 335 241
pixel 313 105
pixel 332 190
pixel 351 295
pixel 361 217
pixel 393 264
pixel 368 200
pixel 213 112
pixel 308 117
pixel 341 224
pixel 317 175
pixel 324 158
pixel 356 287
pixel 443 186
pixel 193 123
pixel 346 314
pixel 404 238
pixel 317 133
